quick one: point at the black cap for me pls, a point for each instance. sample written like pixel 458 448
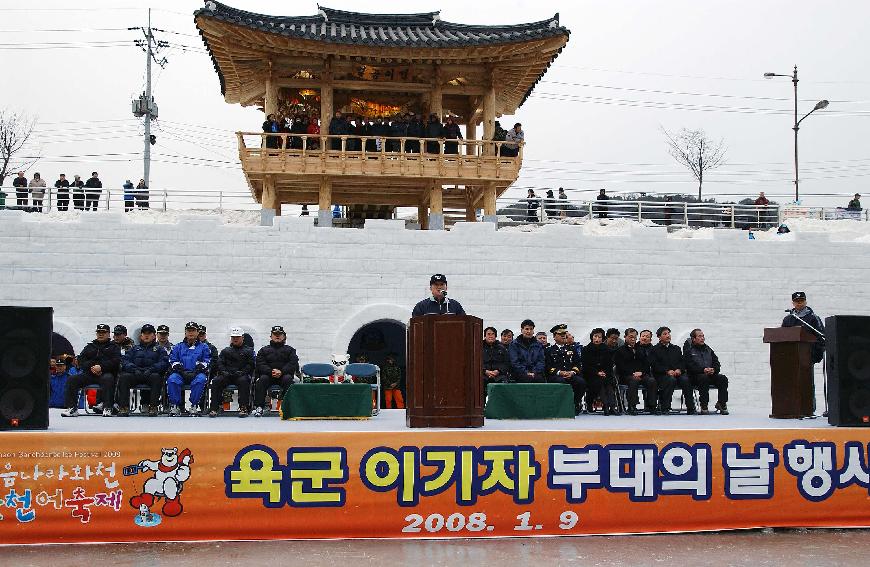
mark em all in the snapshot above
pixel 438 278
pixel 559 329
pixel 147 328
pixel 799 295
pixel 278 330
pixel 202 328
pixel 102 327
pixel 191 325
pixel 162 328
pixel 120 330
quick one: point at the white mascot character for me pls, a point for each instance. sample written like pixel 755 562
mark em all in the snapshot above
pixel 339 361
pixel 170 474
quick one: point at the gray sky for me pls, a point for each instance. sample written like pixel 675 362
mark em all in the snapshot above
pixel 630 67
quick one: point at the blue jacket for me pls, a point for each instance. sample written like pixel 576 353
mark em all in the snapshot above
pixel 58 385
pixel 191 356
pixel 525 358
pixel 145 357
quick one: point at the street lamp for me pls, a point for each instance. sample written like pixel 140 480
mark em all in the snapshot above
pixel 819 106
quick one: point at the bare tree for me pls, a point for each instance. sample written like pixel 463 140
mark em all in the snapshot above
pixel 15 130
pixel 693 150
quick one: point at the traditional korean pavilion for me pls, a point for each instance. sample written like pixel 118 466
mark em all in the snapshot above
pixel 377 66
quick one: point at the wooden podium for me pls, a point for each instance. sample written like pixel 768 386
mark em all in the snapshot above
pixel 791 371
pixel 445 388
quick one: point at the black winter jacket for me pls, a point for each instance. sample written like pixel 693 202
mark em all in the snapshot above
pixel 495 357
pixel 694 357
pixel 106 354
pixel 236 361
pixel 628 361
pixel 597 358
pixel 145 357
pixel 663 358
pixel 277 355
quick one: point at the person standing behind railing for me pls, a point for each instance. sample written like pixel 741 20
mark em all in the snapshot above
pixel 313 130
pixel 602 208
pixel 337 127
pixel 512 140
pixel 20 185
pixel 380 129
pixel 92 197
pixel 78 193
pixel 761 201
pixel 563 207
pixel 451 132
pixel 855 203
pixel 142 195
pixel 398 129
pixel 62 186
pixel 415 130
pixel 37 190
pixel 531 206
pixel 433 130
pixel 271 126
pixel 128 196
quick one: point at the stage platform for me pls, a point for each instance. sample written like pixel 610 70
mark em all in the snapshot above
pixel 94 479
pixel 394 420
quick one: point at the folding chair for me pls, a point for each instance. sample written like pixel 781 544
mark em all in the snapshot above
pixel 317 372
pixel 364 371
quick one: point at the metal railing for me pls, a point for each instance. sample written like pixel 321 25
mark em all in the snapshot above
pixel 698 215
pixel 511 210
pixel 120 199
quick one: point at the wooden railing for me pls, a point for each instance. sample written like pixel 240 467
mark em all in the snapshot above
pixel 379 155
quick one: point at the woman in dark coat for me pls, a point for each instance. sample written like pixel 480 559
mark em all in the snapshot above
pixel 597 362
pixel 271 126
pixel 451 132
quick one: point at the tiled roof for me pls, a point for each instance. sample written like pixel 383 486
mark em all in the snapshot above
pixel 383 30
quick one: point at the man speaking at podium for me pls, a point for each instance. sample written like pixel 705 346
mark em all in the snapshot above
pixel 809 320
pixel 438 303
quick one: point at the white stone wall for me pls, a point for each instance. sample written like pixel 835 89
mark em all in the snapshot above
pixel 324 284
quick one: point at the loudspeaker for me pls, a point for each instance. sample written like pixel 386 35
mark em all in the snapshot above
pixel 25 351
pixel 848 365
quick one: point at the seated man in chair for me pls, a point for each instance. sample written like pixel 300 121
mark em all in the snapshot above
pixel 143 364
pixel 563 365
pixel 188 363
pixel 99 363
pixel 277 363
pixel 632 371
pixel 669 370
pixel 235 367
pixel 703 368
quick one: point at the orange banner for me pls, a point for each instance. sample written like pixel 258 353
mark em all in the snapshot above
pixel 78 487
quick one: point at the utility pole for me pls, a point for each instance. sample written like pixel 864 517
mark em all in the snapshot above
pixel 145 105
pixel 149 100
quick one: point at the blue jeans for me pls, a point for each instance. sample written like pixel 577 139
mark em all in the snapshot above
pixel 176 381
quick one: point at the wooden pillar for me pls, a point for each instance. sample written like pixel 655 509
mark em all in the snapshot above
pixel 471 135
pixel 324 212
pixel 270 105
pixel 326 104
pixel 489 118
pixel 436 209
pixel 489 206
pixel 268 200
pixel 423 216
pixel 435 96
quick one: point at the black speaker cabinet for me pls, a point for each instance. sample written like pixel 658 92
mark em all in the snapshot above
pixel 848 365
pixel 25 351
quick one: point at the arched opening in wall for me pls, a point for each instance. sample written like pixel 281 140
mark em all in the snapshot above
pixel 60 346
pixel 378 339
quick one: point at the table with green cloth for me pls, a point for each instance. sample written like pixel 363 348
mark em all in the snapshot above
pixel 529 401
pixel 327 401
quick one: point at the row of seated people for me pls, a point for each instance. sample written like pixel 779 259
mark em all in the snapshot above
pixel 193 363
pixel 599 370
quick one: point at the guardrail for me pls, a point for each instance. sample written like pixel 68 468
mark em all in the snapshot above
pixel 713 215
pixel 514 211
pixel 119 199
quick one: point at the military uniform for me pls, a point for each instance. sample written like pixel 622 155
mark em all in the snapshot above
pixel 564 358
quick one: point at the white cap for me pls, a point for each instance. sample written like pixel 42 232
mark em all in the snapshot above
pixel 236 332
